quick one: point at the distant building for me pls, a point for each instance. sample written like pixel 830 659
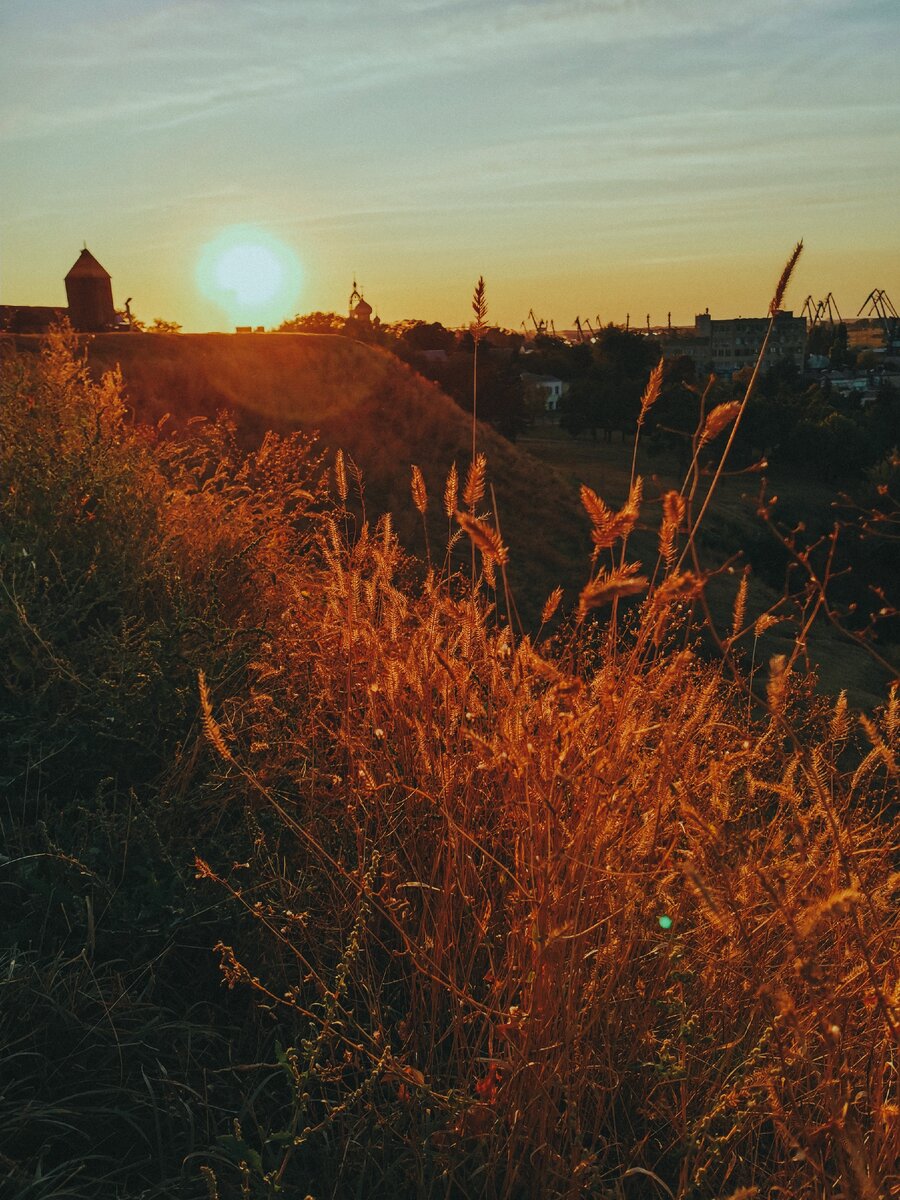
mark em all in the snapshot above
pixel 360 310
pixel 730 345
pixel 546 389
pixel 89 292
pixel 29 318
pixel 90 308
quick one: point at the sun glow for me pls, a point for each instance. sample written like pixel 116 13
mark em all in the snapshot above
pixel 252 276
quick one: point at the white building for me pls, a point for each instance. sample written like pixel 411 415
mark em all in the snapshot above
pixel 546 388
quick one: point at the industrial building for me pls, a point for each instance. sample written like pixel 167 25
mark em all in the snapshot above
pixel 723 347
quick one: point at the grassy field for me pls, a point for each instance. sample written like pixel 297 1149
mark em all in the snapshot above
pixel 385 417
pixel 319 882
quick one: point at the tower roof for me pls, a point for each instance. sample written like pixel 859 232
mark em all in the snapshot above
pixel 87 267
pixel 360 309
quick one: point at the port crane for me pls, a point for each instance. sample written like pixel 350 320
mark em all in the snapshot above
pixel 829 305
pixel 540 327
pixel 816 314
pixel 880 306
pixel 581 326
pixel 812 310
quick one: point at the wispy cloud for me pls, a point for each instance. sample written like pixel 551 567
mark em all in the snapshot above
pixel 583 124
pixel 182 62
pixel 140 109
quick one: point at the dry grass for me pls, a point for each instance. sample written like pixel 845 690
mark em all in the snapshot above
pixel 732 525
pixel 601 923
pixel 378 411
pixel 548 917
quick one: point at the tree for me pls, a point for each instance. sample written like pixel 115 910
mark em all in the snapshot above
pixel 314 322
pixel 501 400
pixel 581 408
pixel 423 335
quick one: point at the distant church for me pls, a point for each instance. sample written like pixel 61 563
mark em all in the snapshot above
pixel 90 309
pixel 360 309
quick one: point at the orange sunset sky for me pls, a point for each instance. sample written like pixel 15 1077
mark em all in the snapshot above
pixel 591 158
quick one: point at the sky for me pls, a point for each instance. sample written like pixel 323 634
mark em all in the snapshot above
pixel 590 158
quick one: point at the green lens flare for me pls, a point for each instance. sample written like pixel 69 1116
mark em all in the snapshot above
pixel 255 278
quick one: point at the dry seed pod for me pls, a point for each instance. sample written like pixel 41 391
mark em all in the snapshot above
pixel 840 724
pixel 486 539
pixel 608 586
pixel 609 526
pixel 652 390
pixel 551 604
pixel 684 586
pixel 785 279
pixel 451 491
pixel 473 492
pixel 479 308
pixel 740 607
pixel 598 511
pixel 776 688
pixel 673 507
pixel 837 904
pixel 211 726
pixel 340 476
pixel 718 420
pixel 762 623
pixel 419 492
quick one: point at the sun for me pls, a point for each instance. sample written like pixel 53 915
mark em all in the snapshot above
pixel 253 276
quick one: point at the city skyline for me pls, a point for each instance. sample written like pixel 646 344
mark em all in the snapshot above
pixel 610 157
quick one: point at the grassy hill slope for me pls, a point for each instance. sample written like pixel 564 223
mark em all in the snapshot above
pixel 386 417
pixel 377 410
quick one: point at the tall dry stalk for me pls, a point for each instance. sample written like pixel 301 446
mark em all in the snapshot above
pixel 774 308
pixel 478 330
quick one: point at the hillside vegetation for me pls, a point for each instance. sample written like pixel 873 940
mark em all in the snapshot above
pixel 385 418
pixel 318 881
pixel 373 407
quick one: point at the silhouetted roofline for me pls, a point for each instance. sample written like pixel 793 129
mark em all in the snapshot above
pixel 87 267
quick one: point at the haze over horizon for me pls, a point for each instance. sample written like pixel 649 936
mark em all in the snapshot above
pixel 596 158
